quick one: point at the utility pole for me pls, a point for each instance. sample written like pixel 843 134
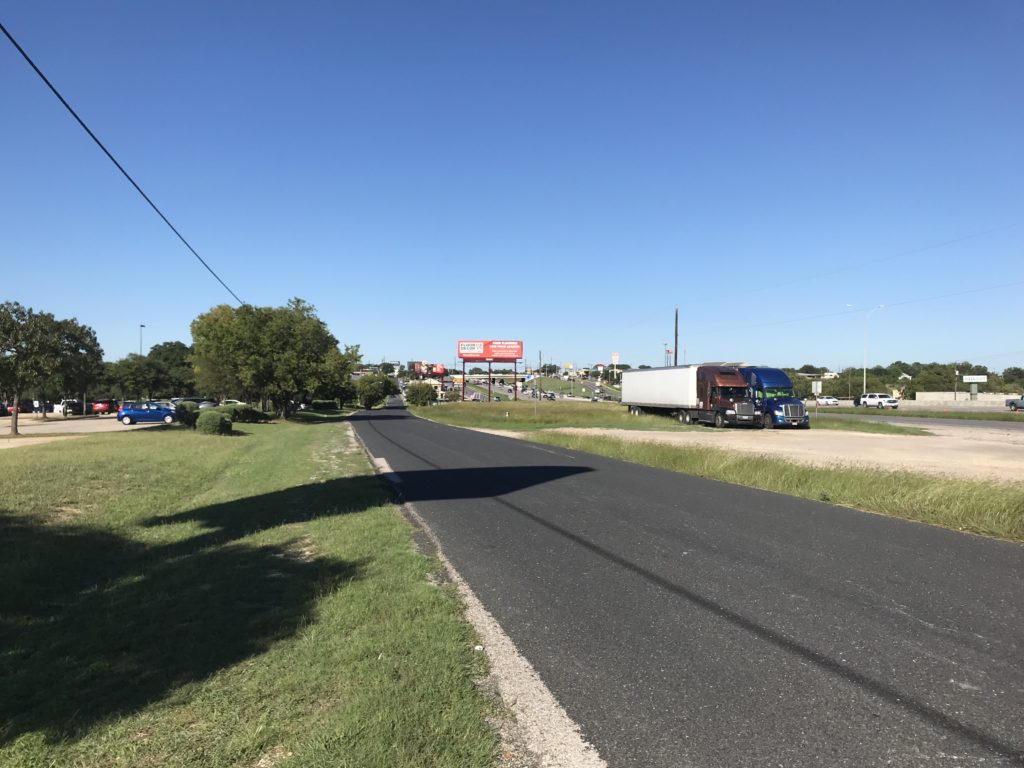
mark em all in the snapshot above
pixel 537 389
pixel 675 348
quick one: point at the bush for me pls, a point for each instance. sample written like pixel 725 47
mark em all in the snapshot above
pixel 373 389
pixel 243 414
pixel 213 422
pixel 187 412
pixel 420 393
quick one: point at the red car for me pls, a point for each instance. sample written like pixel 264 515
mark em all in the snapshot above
pixel 101 407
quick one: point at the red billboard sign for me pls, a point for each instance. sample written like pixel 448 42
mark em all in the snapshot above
pixel 439 369
pixel 490 351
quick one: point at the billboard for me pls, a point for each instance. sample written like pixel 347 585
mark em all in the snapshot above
pixel 490 351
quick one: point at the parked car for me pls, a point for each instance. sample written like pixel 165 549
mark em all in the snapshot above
pixel 3 410
pixel 106 405
pixel 148 411
pixel 827 400
pixel 201 402
pixel 879 400
pixel 69 407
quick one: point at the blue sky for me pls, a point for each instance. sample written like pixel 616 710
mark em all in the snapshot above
pixel 565 173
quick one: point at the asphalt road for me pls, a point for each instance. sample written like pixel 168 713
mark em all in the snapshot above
pixel 688 622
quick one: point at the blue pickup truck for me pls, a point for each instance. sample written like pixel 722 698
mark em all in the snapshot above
pixel 772 392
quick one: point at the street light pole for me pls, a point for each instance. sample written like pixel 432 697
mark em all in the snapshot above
pixel 866 318
pixel 141 326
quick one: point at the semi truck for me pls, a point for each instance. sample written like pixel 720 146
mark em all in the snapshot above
pixel 773 395
pixel 707 393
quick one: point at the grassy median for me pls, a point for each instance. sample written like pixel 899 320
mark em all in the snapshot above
pixel 173 599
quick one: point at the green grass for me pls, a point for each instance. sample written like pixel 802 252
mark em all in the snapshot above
pixel 533 415
pixel 979 507
pixel 543 414
pixel 173 599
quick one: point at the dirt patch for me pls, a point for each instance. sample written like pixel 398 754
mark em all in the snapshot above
pixel 959 452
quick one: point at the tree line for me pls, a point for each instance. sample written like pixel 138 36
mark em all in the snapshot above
pixel 275 356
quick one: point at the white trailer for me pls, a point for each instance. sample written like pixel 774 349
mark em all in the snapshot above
pixel 671 388
pixel 709 393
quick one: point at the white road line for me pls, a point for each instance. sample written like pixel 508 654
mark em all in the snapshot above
pixel 547 728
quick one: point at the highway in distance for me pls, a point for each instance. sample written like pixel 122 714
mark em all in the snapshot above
pixel 687 622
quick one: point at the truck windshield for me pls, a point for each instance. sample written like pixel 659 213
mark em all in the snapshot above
pixel 778 391
pixel 733 393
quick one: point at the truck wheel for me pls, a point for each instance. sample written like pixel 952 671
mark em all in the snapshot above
pixel 766 421
pixel 719 421
pixel 1013 407
pixel 681 417
pixel 687 417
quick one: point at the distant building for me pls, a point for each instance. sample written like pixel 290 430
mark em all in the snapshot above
pixel 826 375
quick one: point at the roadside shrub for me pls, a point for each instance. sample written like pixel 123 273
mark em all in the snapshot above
pixel 213 422
pixel 420 393
pixel 243 414
pixel 186 412
pixel 373 389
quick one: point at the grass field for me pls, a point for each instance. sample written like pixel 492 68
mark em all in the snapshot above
pixel 530 415
pixel 173 599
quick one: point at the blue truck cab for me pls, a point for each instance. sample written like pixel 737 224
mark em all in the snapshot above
pixel 772 392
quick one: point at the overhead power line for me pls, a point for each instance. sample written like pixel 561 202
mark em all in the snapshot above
pixel 114 161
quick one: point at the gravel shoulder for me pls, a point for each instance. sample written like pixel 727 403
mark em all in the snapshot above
pixel 990 454
pixel 34 430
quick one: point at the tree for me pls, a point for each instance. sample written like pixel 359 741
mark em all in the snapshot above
pixel 373 389
pixel 81 363
pixel 37 350
pixel 1014 377
pixel 268 353
pixel 175 376
pixel 421 393
pixel 336 378
pixel 387 369
pixel 216 349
